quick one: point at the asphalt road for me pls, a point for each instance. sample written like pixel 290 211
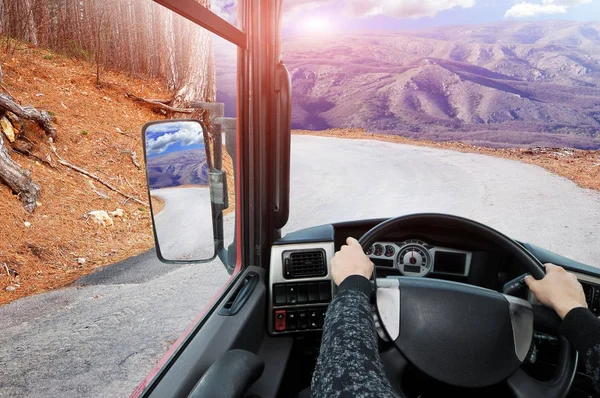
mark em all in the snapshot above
pixel 187 213
pixel 100 337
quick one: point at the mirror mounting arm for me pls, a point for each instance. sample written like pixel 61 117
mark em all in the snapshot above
pixel 220 201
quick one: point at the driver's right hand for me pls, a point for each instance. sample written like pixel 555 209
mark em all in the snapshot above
pixel 559 290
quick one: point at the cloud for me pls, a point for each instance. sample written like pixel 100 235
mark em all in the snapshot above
pixel 370 8
pixel 568 3
pixel 547 7
pixel 528 10
pixel 162 136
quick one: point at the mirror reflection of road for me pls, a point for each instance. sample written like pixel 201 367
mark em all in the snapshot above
pixel 184 226
pixel 102 339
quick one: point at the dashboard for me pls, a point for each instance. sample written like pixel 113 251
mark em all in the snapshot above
pixel 301 286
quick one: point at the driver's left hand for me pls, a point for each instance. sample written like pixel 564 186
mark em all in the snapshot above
pixel 350 260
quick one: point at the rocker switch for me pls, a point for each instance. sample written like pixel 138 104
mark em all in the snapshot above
pixel 292 293
pixel 280 320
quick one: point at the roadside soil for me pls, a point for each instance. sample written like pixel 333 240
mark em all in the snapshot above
pixel 40 251
pixel 98 129
pixel 157 204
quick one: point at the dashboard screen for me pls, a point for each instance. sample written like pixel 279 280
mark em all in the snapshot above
pixel 451 263
pixel 412 268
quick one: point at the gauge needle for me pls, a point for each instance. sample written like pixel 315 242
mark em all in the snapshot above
pixel 412 257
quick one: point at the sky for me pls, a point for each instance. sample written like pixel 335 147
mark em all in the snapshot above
pixel 331 16
pixel 164 138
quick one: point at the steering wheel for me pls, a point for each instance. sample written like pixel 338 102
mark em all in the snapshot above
pixel 461 334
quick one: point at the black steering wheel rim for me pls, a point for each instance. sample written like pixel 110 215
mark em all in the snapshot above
pixel 533 265
pixel 522 385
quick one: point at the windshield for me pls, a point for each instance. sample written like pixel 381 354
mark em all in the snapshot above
pixel 487 111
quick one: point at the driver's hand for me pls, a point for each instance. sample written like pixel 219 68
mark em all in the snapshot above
pixel 350 260
pixel 559 290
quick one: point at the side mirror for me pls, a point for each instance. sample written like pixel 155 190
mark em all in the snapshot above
pixel 187 194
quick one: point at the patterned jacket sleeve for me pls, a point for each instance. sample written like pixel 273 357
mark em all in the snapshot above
pixel 582 329
pixel 349 364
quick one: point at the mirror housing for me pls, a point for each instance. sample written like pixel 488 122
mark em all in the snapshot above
pixel 185 191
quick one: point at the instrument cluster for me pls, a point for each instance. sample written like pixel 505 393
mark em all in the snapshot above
pixel 414 257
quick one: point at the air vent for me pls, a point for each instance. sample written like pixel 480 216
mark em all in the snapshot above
pixel 304 264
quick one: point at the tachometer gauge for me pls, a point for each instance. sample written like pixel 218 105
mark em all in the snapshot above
pixel 378 250
pixel 414 260
pixel 389 251
pixel 369 251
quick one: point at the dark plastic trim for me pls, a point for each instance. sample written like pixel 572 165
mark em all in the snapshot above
pixel 237 299
pixel 283 88
pixel 230 376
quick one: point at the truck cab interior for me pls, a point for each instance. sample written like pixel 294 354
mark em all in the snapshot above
pixel 451 310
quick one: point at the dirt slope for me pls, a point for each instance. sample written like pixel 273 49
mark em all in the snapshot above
pixel 45 255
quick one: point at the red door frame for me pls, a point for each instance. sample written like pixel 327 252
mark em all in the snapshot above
pixel 262 193
pixel 212 22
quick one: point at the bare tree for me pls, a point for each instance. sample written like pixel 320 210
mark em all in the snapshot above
pixel 136 36
pixel 197 81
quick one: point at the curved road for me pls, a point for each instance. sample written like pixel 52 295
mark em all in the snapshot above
pixel 100 337
pixel 187 213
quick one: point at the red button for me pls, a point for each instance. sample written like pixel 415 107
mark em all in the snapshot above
pixel 280 321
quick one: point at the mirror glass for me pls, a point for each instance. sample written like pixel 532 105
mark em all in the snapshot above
pixel 178 167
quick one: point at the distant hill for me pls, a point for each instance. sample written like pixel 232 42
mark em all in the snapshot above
pixel 178 168
pixel 508 83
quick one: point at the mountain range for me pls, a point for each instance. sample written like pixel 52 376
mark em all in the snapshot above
pixel 178 168
pixel 504 84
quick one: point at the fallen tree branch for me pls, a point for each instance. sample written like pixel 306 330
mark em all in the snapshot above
pixel 42 118
pixel 162 101
pixel 118 130
pixel 103 196
pixel 158 104
pixel 6 90
pixel 95 177
pixel 18 179
pixel 24 147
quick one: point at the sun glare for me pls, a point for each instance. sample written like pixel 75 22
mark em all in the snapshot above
pixel 316 25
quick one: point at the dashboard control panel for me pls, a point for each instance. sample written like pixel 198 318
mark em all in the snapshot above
pixel 301 293
pixel 300 287
pixel 415 257
pixel 288 320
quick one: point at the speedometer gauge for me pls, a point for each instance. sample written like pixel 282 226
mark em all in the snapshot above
pixel 414 260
